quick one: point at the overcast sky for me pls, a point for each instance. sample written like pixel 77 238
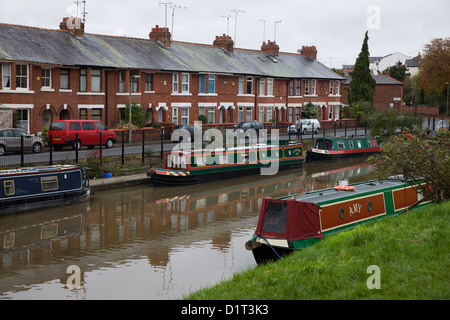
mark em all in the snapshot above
pixel 335 27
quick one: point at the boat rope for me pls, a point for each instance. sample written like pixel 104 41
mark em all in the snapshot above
pixel 261 236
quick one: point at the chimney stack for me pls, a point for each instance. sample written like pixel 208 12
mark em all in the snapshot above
pixel 161 34
pixel 224 42
pixel 270 47
pixel 309 51
pixel 73 25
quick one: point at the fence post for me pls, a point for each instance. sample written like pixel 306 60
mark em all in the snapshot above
pixel 356 128
pixel 162 143
pixel 312 132
pixel 335 128
pixel 345 132
pixel 123 147
pixel 50 144
pixel 21 152
pixel 100 148
pixel 76 148
pixel 143 146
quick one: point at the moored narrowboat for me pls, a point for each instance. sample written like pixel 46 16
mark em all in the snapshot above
pixel 293 222
pixel 336 148
pixel 39 187
pixel 196 166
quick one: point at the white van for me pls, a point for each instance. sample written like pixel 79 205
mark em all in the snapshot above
pixel 308 125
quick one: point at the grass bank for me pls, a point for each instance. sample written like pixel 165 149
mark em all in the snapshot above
pixel 411 251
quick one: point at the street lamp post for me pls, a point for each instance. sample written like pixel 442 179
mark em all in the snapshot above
pixel 129 108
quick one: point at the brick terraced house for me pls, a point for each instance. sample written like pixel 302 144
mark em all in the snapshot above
pixel 69 74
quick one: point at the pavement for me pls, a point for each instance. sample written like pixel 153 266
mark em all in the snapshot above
pixel 118 182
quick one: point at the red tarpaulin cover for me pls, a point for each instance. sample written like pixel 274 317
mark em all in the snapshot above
pixel 289 219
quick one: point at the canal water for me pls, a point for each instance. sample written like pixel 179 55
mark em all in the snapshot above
pixel 145 242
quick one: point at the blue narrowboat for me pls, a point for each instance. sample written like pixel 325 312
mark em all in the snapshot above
pixel 39 187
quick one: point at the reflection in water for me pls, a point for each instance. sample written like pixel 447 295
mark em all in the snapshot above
pixel 145 242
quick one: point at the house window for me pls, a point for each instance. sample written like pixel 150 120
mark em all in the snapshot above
pixel 175 116
pixel 241 85
pixel 249 85
pixel 202 84
pixel 134 81
pixel 23 119
pixel 211 83
pixel 96 76
pixel 269 86
pixel 240 114
pixel 330 112
pixel 83 114
pixel 298 90
pixel 9 187
pixel 313 87
pixel 122 81
pixel 6 75
pixel 337 87
pixel 49 183
pixel 261 114
pixel 331 87
pixel 184 115
pixel 148 81
pixel 291 114
pixel 306 87
pixel 83 80
pixel 175 83
pixel 268 114
pixel 262 87
pixel 96 114
pixel 208 112
pixel 185 82
pixel 64 79
pixel 336 110
pixel 291 87
pixel 249 114
pixel 22 76
pixel 46 78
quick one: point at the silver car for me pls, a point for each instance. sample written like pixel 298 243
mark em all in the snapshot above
pixel 10 141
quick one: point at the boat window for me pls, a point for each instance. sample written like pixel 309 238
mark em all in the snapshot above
pixel 359 144
pixel 276 214
pixel 49 183
pixel 341 213
pixel 351 144
pixel 420 194
pixel 9 187
pixel 369 206
pixel 369 143
pixel 341 145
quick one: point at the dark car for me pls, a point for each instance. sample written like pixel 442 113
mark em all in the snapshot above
pixel 256 125
pixel 10 141
pixel 177 135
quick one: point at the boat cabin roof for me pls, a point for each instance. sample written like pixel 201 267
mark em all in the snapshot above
pixel 37 169
pixel 362 188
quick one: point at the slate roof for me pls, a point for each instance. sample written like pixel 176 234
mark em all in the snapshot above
pixel 379 80
pixel 38 45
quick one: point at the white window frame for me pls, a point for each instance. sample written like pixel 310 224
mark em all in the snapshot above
pixel 148 82
pixel 261 114
pixel 313 87
pixel 241 85
pixel 46 77
pixel 21 76
pixel 306 87
pixel 262 87
pixel 96 80
pixel 336 111
pixel 175 115
pixel 269 114
pixel 83 80
pixel 185 82
pixel 211 83
pixel 269 86
pixel 331 87
pixel 337 87
pixel 6 76
pixel 240 114
pixel 298 87
pixel 175 83
pixel 330 112
pixel 184 117
pixel 249 114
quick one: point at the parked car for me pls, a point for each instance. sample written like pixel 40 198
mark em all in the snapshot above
pixel 249 125
pixel 10 141
pixel 64 133
pixel 176 134
pixel 308 125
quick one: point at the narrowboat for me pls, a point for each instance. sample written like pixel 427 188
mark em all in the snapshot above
pixel 196 166
pixel 293 222
pixel 39 187
pixel 336 148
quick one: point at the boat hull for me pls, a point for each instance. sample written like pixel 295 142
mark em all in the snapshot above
pixel 45 201
pixel 317 156
pixel 196 178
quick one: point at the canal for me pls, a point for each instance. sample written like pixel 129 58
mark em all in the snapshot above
pixel 145 242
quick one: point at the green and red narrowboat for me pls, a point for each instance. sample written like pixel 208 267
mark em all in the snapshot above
pixel 196 166
pixel 336 148
pixel 293 222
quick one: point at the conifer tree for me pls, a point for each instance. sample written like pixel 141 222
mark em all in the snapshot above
pixel 362 85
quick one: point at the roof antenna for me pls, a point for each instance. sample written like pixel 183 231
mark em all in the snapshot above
pixel 264 33
pixel 84 12
pixel 235 22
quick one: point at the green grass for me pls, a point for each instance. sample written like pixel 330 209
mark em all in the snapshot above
pixel 411 250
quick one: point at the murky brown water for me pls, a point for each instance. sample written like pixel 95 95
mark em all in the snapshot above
pixel 145 242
